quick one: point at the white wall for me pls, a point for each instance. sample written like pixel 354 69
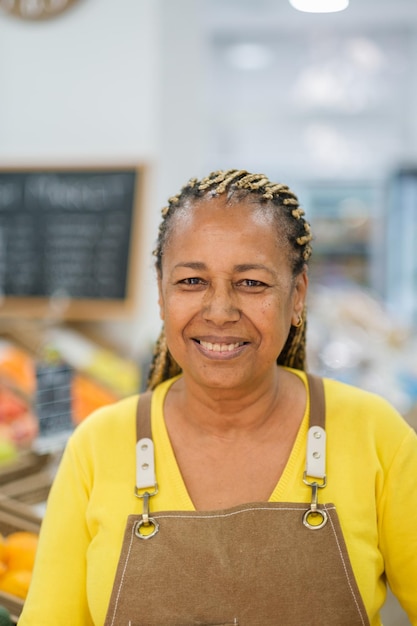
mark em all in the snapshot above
pixel 80 86
pixel 109 82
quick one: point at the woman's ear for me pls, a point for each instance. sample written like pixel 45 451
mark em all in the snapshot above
pixel 300 295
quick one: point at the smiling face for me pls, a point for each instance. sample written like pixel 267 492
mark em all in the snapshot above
pixel 227 294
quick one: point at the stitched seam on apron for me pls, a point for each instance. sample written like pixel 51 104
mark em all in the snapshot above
pixel 223 515
pixel 344 567
pixel 122 577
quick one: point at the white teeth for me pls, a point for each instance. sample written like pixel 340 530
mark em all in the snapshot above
pixel 220 347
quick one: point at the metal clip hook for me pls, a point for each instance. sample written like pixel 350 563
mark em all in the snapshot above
pixel 314 497
pixel 314 512
pixel 145 512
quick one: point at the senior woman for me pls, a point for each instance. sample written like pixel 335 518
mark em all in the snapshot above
pixel 242 490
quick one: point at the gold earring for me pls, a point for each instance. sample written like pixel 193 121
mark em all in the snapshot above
pixel 299 322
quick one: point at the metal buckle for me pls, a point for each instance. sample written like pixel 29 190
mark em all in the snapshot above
pixel 313 512
pixel 138 493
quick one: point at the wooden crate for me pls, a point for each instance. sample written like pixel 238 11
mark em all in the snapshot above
pixel 10 523
pixel 26 497
pixel 26 464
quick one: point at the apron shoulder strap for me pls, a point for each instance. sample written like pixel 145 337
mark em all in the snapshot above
pixel 143 416
pixel 316 437
pixel 145 456
pixel 317 402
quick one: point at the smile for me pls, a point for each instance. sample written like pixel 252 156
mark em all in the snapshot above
pixel 221 347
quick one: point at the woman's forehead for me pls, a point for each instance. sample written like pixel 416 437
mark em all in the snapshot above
pixel 221 210
pixel 229 235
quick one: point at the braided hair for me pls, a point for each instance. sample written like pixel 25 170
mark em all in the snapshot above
pixel 239 185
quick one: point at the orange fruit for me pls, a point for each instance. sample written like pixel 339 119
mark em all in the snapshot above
pixel 87 396
pixel 20 549
pixel 16 582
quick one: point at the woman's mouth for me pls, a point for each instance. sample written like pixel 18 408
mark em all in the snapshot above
pixel 217 348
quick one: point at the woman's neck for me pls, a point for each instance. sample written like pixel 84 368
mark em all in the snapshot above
pixel 232 413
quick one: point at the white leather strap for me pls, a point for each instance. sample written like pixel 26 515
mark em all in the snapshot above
pixel 145 464
pixel 316 453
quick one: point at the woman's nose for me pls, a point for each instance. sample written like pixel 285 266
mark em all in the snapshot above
pixel 220 305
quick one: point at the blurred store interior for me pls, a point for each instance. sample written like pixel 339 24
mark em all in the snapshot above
pixel 323 102
pixel 326 103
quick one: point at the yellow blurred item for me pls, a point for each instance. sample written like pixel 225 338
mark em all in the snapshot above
pixel 122 376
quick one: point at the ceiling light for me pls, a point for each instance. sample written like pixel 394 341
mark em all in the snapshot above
pixel 320 6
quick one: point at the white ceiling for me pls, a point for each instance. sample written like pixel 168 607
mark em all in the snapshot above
pixel 312 95
pixel 252 15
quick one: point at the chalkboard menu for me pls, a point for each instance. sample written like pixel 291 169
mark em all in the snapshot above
pixel 67 240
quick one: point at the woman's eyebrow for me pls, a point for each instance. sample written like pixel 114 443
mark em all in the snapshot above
pixel 241 268
pixel 192 265
pixel 245 267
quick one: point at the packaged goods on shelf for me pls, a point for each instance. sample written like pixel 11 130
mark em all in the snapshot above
pixel 353 337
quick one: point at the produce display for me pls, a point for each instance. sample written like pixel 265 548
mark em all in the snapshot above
pixel 32 380
pixel 18 423
pixel 50 381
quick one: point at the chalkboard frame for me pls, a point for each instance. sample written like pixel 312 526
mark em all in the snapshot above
pixel 79 309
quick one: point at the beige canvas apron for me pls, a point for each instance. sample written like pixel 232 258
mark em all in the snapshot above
pixel 258 564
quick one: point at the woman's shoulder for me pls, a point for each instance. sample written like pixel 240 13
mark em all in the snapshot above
pixel 355 396
pixel 362 410
pixel 343 395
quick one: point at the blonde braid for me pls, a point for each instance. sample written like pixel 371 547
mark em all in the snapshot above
pixel 163 365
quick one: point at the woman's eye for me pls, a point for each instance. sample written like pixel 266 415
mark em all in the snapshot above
pixel 191 281
pixel 248 282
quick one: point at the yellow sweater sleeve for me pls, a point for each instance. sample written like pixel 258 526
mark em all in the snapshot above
pixel 58 593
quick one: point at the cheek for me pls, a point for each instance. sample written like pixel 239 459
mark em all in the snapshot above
pixel 271 308
pixel 178 311
pixel 274 315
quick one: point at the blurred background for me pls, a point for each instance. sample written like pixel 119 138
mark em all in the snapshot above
pixel 160 91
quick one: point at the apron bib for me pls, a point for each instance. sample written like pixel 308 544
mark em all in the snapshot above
pixel 257 564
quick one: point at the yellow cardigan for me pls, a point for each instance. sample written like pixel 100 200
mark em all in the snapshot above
pixel 372 479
